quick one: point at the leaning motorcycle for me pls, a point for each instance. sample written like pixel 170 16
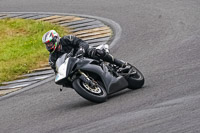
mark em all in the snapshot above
pixel 93 79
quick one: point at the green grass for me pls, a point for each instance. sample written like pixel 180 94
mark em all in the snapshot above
pixel 21 47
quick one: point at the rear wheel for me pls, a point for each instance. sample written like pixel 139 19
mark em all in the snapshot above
pixel 135 79
pixel 95 93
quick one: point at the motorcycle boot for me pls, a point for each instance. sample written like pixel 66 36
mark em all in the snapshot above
pixel 109 58
pixel 102 54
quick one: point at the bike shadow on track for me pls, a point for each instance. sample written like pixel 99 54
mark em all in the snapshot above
pixel 123 92
pixel 74 102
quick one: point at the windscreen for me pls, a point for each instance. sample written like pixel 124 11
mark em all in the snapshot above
pixel 60 60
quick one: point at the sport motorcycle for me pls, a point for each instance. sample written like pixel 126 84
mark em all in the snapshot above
pixel 94 79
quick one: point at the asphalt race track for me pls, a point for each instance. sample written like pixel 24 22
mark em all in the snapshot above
pixel 161 38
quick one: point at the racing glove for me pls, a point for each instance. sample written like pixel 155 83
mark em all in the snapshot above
pixel 80 52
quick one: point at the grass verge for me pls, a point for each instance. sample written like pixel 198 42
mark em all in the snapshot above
pixel 21 48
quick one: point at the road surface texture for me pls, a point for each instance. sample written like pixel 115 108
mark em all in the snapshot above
pixel 161 38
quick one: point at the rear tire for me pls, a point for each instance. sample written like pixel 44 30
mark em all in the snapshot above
pixel 96 95
pixel 135 79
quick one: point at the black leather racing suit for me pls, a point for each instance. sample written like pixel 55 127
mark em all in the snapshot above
pixel 71 42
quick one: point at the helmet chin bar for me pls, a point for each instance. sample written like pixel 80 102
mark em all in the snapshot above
pixel 53 48
pixel 50 49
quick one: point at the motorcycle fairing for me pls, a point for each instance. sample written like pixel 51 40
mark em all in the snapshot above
pixel 61 72
pixel 64 66
pixel 112 83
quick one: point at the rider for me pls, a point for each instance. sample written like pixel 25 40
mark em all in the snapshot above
pixel 58 46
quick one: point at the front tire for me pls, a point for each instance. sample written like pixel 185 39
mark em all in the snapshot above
pixel 96 94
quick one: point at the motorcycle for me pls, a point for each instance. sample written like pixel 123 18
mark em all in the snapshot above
pixel 93 79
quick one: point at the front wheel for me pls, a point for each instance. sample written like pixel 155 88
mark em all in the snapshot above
pixel 135 79
pixel 95 93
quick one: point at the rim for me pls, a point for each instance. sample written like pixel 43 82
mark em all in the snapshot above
pixel 95 90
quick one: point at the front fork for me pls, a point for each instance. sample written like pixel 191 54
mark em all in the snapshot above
pixel 86 79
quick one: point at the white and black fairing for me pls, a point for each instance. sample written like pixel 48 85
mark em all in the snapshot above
pixel 68 66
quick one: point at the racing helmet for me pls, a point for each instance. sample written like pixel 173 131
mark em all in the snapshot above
pixel 51 39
